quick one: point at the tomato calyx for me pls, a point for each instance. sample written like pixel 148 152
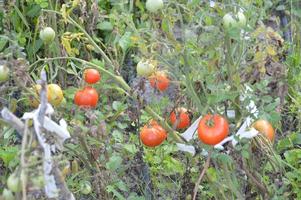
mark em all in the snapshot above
pixel 210 121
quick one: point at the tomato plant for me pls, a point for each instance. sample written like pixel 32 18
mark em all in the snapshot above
pixel 4 73
pixel 159 81
pixel 91 76
pixel 181 117
pixel 88 97
pixel 265 128
pixel 47 35
pixel 154 5
pixel 213 129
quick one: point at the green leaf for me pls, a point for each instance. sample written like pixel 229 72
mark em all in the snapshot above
pixel 280 7
pixel 114 163
pixel 125 41
pixel 212 174
pixel 110 189
pixel 105 26
pixel 7 154
pixel 3 42
pixel 293 157
pixel 131 148
pixel 121 186
pixel 117 105
pixel 117 135
pixel 221 96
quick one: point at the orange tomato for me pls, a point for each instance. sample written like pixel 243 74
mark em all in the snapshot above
pixel 91 76
pixel 265 128
pixel 157 126
pixel 152 134
pixel 182 116
pixel 159 80
pixel 213 129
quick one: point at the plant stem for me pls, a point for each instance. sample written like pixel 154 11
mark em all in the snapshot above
pixel 23 164
pixel 205 168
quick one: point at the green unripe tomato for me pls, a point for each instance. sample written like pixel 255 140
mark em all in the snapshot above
pixel 38 181
pixel 85 187
pixel 242 21
pixel 154 5
pixel 7 195
pixel 145 68
pixel 4 73
pixel 234 21
pixel 14 183
pixel 47 35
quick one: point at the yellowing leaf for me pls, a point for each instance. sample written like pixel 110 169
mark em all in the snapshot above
pixel 66 44
pixel 261 68
pixel 259 56
pixel 270 50
pixel 64 13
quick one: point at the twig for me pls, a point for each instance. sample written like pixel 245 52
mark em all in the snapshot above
pixel 12 120
pixel 260 186
pixel 23 164
pixel 43 96
pixel 206 166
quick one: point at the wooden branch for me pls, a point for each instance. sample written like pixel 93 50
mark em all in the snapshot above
pixel 12 120
pixel 206 166
pixel 43 97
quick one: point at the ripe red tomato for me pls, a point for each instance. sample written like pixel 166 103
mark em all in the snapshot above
pixel 152 134
pixel 157 126
pixel 213 129
pixel 88 97
pixel 91 76
pixel 159 80
pixel 265 128
pixel 182 116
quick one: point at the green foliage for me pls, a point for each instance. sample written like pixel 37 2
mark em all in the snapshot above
pixel 211 70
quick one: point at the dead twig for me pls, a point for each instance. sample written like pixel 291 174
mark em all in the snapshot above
pixel 23 163
pixel 12 120
pixel 206 166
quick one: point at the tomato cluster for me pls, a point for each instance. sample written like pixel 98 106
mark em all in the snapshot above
pixel 152 134
pixel 88 96
pixel 157 79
